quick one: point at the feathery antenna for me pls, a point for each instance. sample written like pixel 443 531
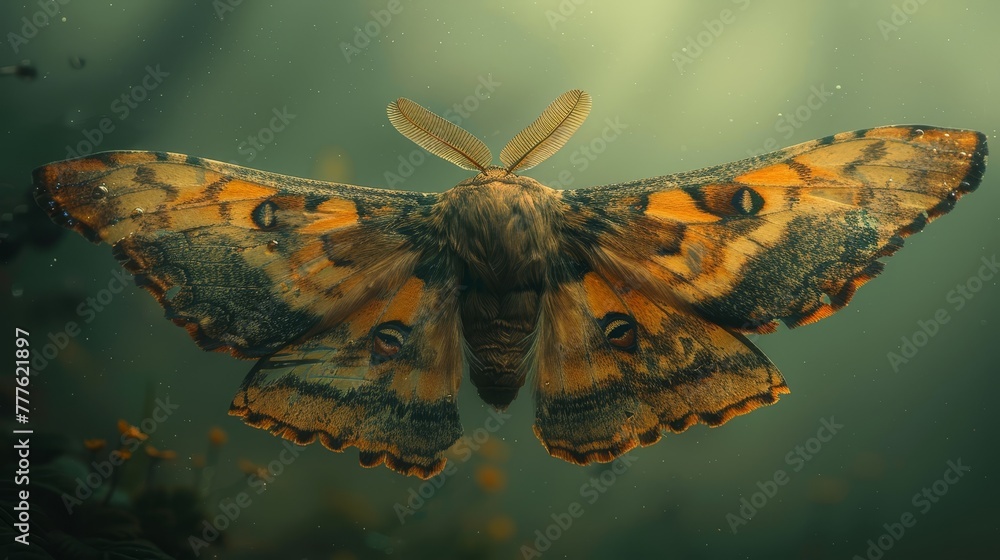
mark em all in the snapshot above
pixel 439 136
pixel 550 131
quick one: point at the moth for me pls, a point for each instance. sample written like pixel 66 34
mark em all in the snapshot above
pixel 625 307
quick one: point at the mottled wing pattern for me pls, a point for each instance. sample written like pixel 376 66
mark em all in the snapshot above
pixel 784 236
pixel 384 380
pixel 246 260
pixel 695 258
pixel 615 368
pixel 256 263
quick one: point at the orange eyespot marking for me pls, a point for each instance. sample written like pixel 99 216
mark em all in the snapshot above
pixel 388 340
pixel 619 329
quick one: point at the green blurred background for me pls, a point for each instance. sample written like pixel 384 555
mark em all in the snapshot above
pixel 747 77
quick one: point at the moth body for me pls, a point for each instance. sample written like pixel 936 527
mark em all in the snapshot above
pixel 502 230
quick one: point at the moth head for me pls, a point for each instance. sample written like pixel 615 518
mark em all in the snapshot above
pixel 533 145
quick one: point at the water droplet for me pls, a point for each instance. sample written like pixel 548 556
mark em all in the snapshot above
pixel 99 192
pixel 919 132
pixel 272 246
pixel 138 212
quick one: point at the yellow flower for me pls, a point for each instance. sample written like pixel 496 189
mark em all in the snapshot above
pixel 165 454
pixel 129 430
pixel 217 436
pixel 490 478
pixel 95 445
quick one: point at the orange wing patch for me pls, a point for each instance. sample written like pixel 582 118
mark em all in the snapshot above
pixel 330 215
pixel 778 175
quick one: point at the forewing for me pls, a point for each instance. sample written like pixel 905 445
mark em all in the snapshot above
pixel 247 261
pixel 788 235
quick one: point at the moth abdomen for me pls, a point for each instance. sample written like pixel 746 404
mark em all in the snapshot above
pixel 498 327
